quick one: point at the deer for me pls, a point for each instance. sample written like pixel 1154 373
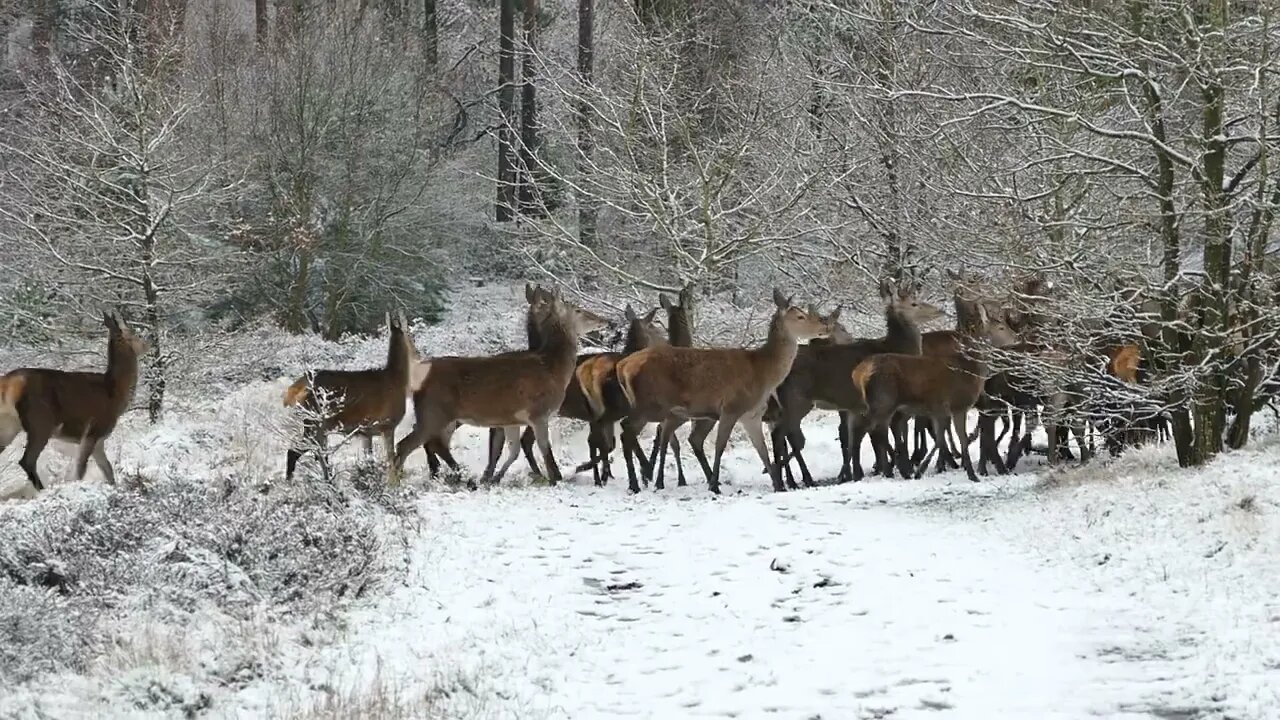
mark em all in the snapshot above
pixel 820 375
pixel 508 391
pixel 731 386
pixel 79 407
pixel 838 334
pixel 593 376
pixel 361 402
pixel 943 389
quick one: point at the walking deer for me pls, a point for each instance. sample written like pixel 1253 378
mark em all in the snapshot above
pixel 729 385
pixel 362 402
pixel 943 389
pixel 820 375
pixel 79 407
pixel 507 391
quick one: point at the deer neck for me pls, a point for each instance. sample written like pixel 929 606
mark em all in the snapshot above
pixel 774 358
pixel 532 331
pixel 559 347
pixel 678 331
pixel 903 334
pixel 122 371
pixel 638 338
pixel 398 358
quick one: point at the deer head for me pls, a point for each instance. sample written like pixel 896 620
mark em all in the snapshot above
pixel 121 337
pixel 797 323
pixel 905 303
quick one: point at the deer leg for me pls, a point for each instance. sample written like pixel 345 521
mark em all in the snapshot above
pixel 389 449
pixel 778 439
pixel 631 452
pixel 846 472
pixel 426 425
pixel 755 430
pixel 104 464
pixel 960 419
pixel 921 432
pixel 852 453
pixel 83 451
pixel 1015 438
pixel 543 436
pixel 698 444
pixel 898 424
pixel 526 443
pixel 940 441
pixel 723 431
pixel 662 443
pixel 35 445
pixel 513 439
pixel 497 440
pixel 795 438
pixel 674 444
pixel 593 448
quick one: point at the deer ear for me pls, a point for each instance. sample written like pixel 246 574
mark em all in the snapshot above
pixel 665 302
pixel 887 290
pixel 686 294
pixel 835 314
pixel 953 275
pixel 983 320
pixel 528 292
pixel 653 314
pixel 813 310
pixel 780 300
pixel 629 313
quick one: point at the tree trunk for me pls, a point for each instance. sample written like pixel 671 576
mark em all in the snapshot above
pixel 260 22
pixel 430 31
pixel 505 208
pixel 586 50
pixel 1209 407
pixel 530 200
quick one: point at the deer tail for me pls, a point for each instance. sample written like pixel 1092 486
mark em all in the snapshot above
pixel 861 376
pixel 625 377
pixel 11 389
pixel 592 384
pixel 297 392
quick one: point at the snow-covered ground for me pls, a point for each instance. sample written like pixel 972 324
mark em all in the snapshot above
pixel 1122 589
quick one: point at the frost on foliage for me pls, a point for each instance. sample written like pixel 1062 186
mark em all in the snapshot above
pixel 70 567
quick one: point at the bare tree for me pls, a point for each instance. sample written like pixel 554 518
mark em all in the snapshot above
pixel 104 193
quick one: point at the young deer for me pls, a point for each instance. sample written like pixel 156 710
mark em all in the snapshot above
pixel 940 388
pixel 79 407
pixel 536 296
pixel 820 375
pixel 363 402
pixel 729 385
pixel 508 391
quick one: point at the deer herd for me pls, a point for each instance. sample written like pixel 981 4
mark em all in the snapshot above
pixel 659 377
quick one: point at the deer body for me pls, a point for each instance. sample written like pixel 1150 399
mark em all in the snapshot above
pixel 506 391
pixel 80 407
pixel 364 402
pixel 729 385
pixel 942 389
pixel 820 376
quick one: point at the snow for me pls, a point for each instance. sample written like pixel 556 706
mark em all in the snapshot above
pixel 1126 588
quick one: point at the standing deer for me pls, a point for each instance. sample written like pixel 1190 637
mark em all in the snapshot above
pixel 363 402
pixel 820 375
pixel 79 407
pixel 594 374
pixel 942 389
pixel 837 335
pixel 508 391
pixel 729 385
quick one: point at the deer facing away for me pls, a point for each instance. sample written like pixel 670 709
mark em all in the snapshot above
pixel 79 407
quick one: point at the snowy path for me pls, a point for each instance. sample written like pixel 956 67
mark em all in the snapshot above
pixel 839 602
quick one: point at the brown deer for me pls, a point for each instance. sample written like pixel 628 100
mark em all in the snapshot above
pixel 79 407
pixel 820 375
pixel 594 375
pixel 729 385
pixel 508 391
pixel 838 334
pixel 943 389
pixel 362 402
